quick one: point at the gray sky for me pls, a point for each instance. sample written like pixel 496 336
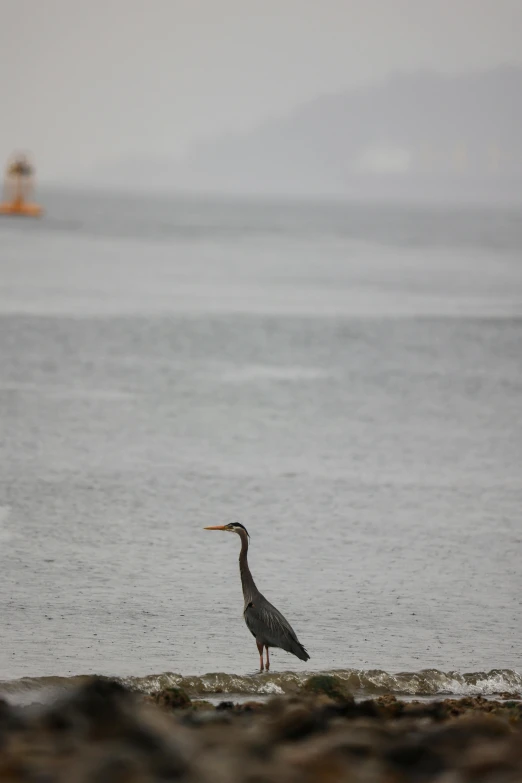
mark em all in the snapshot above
pixel 85 82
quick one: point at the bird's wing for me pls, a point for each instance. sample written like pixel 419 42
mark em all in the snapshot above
pixel 267 624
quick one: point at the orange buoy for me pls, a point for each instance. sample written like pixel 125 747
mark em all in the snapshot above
pixel 18 187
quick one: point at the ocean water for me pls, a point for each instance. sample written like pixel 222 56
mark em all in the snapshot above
pixel 345 380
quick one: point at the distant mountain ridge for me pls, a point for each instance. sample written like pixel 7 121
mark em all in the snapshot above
pixel 418 134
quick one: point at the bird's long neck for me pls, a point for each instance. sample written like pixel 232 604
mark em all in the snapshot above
pixel 247 580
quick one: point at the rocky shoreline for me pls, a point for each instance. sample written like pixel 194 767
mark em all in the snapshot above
pixel 104 732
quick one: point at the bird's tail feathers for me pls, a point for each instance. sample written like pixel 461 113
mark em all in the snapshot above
pixel 299 651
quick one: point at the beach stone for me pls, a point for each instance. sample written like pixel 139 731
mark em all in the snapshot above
pixel 100 708
pixel 416 759
pixel 116 766
pixel 225 705
pixel 295 723
pixel 333 757
pixel 197 718
pixel 173 698
pixel 328 685
pixel 202 704
pixel 367 709
pixel 248 707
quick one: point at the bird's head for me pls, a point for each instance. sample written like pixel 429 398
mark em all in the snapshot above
pixel 232 527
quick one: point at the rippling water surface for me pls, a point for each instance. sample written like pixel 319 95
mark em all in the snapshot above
pixel 346 381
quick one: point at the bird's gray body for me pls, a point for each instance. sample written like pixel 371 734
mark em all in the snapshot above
pixel 269 628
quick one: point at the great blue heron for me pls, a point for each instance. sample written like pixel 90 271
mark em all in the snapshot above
pixel 266 624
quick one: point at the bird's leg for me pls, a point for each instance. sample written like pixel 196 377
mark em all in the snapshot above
pixel 260 648
pixel 267 667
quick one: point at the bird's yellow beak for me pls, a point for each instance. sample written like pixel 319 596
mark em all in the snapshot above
pixel 215 527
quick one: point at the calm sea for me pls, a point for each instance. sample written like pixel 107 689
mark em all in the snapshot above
pixel 344 380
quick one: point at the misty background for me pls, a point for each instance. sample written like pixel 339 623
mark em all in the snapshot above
pixel 411 98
